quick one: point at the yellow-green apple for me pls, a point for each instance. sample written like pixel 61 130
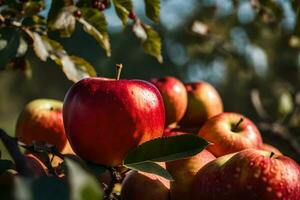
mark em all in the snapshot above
pixel 270 148
pixel 204 102
pixel 105 118
pixel 250 174
pixel 183 171
pixel 175 98
pixel 41 120
pixel 230 132
pixel 146 186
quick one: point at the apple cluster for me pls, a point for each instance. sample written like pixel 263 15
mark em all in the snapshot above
pixel 102 119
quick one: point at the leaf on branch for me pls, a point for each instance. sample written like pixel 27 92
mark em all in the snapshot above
pixel 82 184
pixel 9 45
pixel 152 8
pixel 64 22
pixel 76 68
pixel 150 39
pixel 32 7
pixel 163 150
pixel 94 23
pixel 123 8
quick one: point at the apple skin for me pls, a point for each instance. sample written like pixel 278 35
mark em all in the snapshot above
pixel 250 174
pixel 175 98
pixel 105 118
pixel 270 148
pixel 218 131
pixel 41 120
pixel 204 102
pixel 146 186
pixel 183 171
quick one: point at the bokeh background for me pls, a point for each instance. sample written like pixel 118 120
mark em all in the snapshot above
pixel 251 57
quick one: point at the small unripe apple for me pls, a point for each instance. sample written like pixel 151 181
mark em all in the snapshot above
pixel 144 186
pixel 204 102
pixel 175 98
pixel 41 121
pixel 250 174
pixel 229 133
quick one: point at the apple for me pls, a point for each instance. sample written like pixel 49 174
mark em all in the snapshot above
pixel 183 171
pixel 41 120
pixel 270 148
pixel 146 186
pixel 250 174
pixel 175 98
pixel 105 118
pixel 230 132
pixel 204 102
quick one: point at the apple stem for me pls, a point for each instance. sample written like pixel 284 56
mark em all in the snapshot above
pixel 234 129
pixel 272 154
pixel 118 69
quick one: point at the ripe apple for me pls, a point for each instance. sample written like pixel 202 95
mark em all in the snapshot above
pixel 183 171
pixel 204 102
pixel 146 186
pixel 105 118
pixel 230 132
pixel 270 148
pixel 250 174
pixel 41 120
pixel 175 98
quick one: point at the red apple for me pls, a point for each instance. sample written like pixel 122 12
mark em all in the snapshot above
pixel 248 175
pixel 175 98
pixel 183 171
pixel 270 148
pixel 144 186
pixel 204 102
pixel 105 118
pixel 41 121
pixel 230 132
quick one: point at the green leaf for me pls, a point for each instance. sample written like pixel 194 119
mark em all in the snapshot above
pixel 64 22
pixel 40 46
pixel 32 7
pixel 151 167
pixel 76 68
pixel 82 184
pixel 153 9
pixel 150 39
pixel 166 149
pixel 6 165
pixel 94 23
pixel 9 44
pixel 123 8
pixel 285 105
pixel 56 5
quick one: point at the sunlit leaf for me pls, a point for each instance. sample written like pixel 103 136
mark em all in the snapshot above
pixel 94 23
pixel 153 9
pixel 32 7
pixel 64 22
pixel 76 68
pixel 123 8
pixel 40 48
pixel 150 39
